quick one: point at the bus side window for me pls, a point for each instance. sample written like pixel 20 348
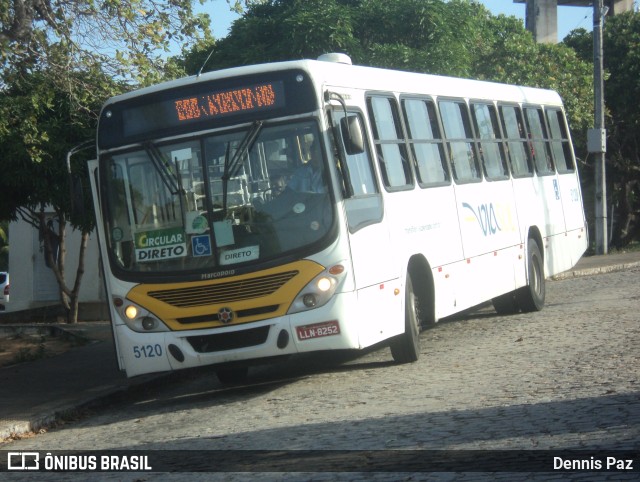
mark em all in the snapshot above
pixel 539 140
pixel 425 141
pixel 485 121
pixel 389 140
pixel 460 142
pixel 560 145
pixel 513 128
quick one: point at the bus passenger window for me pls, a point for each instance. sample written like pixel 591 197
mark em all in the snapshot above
pixel 486 123
pixel 539 140
pixel 513 128
pixel 457 132
pixel 389 141
pixel 425 141
pixel 560 145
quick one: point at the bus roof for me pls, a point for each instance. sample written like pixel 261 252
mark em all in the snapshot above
pixel 337 74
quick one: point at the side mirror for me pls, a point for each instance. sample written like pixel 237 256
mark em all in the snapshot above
pixel 351 130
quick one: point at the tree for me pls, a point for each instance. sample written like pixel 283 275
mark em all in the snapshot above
pixel 37 130
pixel 58 62
pixel 455 37
pixel 415 35
pixel 508 53
pixel 621 38
pixel 128 38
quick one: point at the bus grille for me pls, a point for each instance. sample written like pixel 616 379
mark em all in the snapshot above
pixel 262 310
pixel 229 341
pixel 224 292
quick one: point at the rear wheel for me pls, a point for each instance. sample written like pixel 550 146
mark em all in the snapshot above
pixel 405 348
pixel 531 297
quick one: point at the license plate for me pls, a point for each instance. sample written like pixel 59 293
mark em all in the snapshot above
pixel 318 330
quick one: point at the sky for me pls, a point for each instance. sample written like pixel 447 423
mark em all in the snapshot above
pixel 569 18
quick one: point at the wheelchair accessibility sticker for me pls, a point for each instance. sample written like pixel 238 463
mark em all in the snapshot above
pixel 201 245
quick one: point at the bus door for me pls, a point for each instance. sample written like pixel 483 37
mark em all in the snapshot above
pixel 547 190
pixel 372 256
pixel 568 184
pixel 93 179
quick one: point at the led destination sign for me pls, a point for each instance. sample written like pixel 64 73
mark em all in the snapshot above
pixel 215 104
pixel 207 105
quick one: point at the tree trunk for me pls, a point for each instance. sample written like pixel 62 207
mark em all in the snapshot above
pixel 69 297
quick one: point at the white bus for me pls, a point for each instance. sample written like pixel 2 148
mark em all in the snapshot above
pixel 312 205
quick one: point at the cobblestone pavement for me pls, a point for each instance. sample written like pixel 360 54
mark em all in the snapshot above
pixel 563 378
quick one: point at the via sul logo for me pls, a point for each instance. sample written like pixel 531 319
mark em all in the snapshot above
pixel 485 215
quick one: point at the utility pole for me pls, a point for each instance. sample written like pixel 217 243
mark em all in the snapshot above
pixel 596 137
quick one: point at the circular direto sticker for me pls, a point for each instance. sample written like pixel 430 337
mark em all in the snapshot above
pixel 299 208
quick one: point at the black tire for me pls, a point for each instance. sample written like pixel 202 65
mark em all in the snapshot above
pixel 232 375
pixel 531 297
pixel 405 348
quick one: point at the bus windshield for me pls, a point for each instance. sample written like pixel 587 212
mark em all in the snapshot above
pixel 217 200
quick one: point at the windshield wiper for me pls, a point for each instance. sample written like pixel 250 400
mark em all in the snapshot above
pixel 233 165
pixel 163 167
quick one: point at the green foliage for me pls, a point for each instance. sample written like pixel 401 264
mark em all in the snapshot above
pixel 621 38
pixel 456 37
pixel 621 59
pixel 417 35
pixel 509 54
pixel 128 38
pixel 39 123
pixel 58 63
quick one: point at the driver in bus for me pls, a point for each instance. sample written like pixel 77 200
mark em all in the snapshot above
pixel 308 177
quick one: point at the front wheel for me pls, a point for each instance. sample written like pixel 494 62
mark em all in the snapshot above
pixel 405 348
pixel 531 297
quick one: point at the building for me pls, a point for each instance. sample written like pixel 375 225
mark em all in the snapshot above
pixel 542 15
pixel 33 284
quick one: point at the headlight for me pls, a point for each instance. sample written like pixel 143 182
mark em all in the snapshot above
pixel 137 318
pixel 319 291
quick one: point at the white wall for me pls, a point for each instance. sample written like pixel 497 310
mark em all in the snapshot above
pixel 33 284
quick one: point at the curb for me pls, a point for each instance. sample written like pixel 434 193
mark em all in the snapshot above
pixel 596 270
pixel 16 428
